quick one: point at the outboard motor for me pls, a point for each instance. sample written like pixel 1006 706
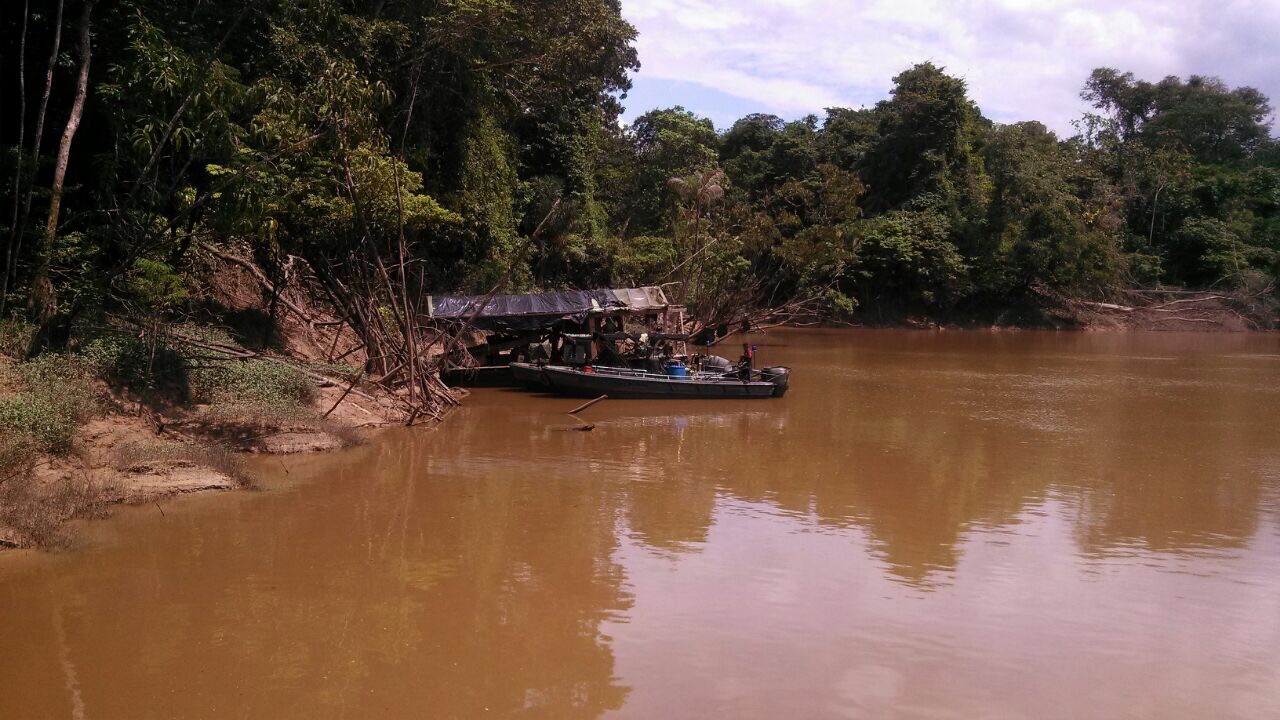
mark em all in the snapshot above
pixel 779 376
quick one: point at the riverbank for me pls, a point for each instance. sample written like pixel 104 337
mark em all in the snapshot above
pixel 1145 310
pixel 77 446
pixel 135 409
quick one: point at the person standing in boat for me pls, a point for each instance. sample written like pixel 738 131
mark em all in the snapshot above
pixel 746 362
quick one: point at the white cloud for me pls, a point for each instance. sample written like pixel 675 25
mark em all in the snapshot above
pixel 1023 59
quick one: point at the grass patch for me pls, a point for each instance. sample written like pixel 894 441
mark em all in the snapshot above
pixel 17 455
pixel 15 337
pixel 336 369
pixel 278 417
pixel 253 382
pixel 48 425
pixel 128 361
pixel 51 395
pixel 57 395
pixel 52 369
pixel 205 333
pixel 215 457
pixel 67 381
pixel 34 512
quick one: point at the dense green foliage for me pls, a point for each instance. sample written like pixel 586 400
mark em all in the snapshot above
pixel 485 133
pixel 255 382
pixel 55 393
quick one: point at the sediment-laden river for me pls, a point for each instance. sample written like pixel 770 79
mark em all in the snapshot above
pixel 934 525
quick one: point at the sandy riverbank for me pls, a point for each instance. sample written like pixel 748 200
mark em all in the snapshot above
pixel 132 453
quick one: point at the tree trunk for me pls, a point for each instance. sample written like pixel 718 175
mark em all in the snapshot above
pixel 9 258
pixel 43 299
pixel 35 144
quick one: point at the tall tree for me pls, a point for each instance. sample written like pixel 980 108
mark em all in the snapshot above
pixel 43 298
pixel 927 150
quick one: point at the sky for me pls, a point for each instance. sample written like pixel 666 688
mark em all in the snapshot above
pixel 1022 59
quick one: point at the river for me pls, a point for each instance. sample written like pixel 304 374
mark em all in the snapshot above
pixel 929 525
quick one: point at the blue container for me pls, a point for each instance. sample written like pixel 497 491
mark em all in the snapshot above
pixel 677 370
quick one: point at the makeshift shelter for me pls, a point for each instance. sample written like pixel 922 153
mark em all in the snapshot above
pixel 531 313
pixel 513 324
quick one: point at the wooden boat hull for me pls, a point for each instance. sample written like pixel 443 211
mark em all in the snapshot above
pixel 483 376
pixel 528 374
pixel 576 383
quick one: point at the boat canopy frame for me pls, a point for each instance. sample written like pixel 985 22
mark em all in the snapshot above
pixel 517 314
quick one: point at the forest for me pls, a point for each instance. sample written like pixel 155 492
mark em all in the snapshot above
pixel 395 148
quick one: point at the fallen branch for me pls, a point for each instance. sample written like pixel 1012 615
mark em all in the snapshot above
pixel 343 356
pixel 1158 291
pixel 344 394
pixel 262 279
pixel 1187 319
pixel 587 404
pixel 1187 300
pixel 1106 306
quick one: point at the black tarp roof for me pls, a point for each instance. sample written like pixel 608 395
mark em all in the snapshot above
pixel 514 313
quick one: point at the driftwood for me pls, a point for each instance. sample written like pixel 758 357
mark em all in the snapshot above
pixel 1107 306
pixel 1153 307
pixel 1187 300
pixel 587 404
pixel 794 313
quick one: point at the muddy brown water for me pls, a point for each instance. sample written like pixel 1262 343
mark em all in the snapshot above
pixel 930 525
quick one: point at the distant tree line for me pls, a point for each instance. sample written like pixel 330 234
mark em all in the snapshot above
pixel 920 204
pixel 410 146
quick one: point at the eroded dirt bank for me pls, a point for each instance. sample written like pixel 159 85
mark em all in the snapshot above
pixel 134 411
pixel 132 454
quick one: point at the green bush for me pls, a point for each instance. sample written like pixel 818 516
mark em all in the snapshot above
pixel 50 425
pixel 155 285
pixel 53 371
pixel 58 395
pixel 127 360
pixel 1205 251
pixel 910 256
pixel 15 336
pixel 65 381
pixel 644 259
pixel 17 452
pixel 116 356
pixel 257 382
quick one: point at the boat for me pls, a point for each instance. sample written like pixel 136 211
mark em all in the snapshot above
pixel 528 374
pixel 630 383
pixel 479 376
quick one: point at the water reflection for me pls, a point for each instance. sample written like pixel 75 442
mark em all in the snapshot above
pixel 958 523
